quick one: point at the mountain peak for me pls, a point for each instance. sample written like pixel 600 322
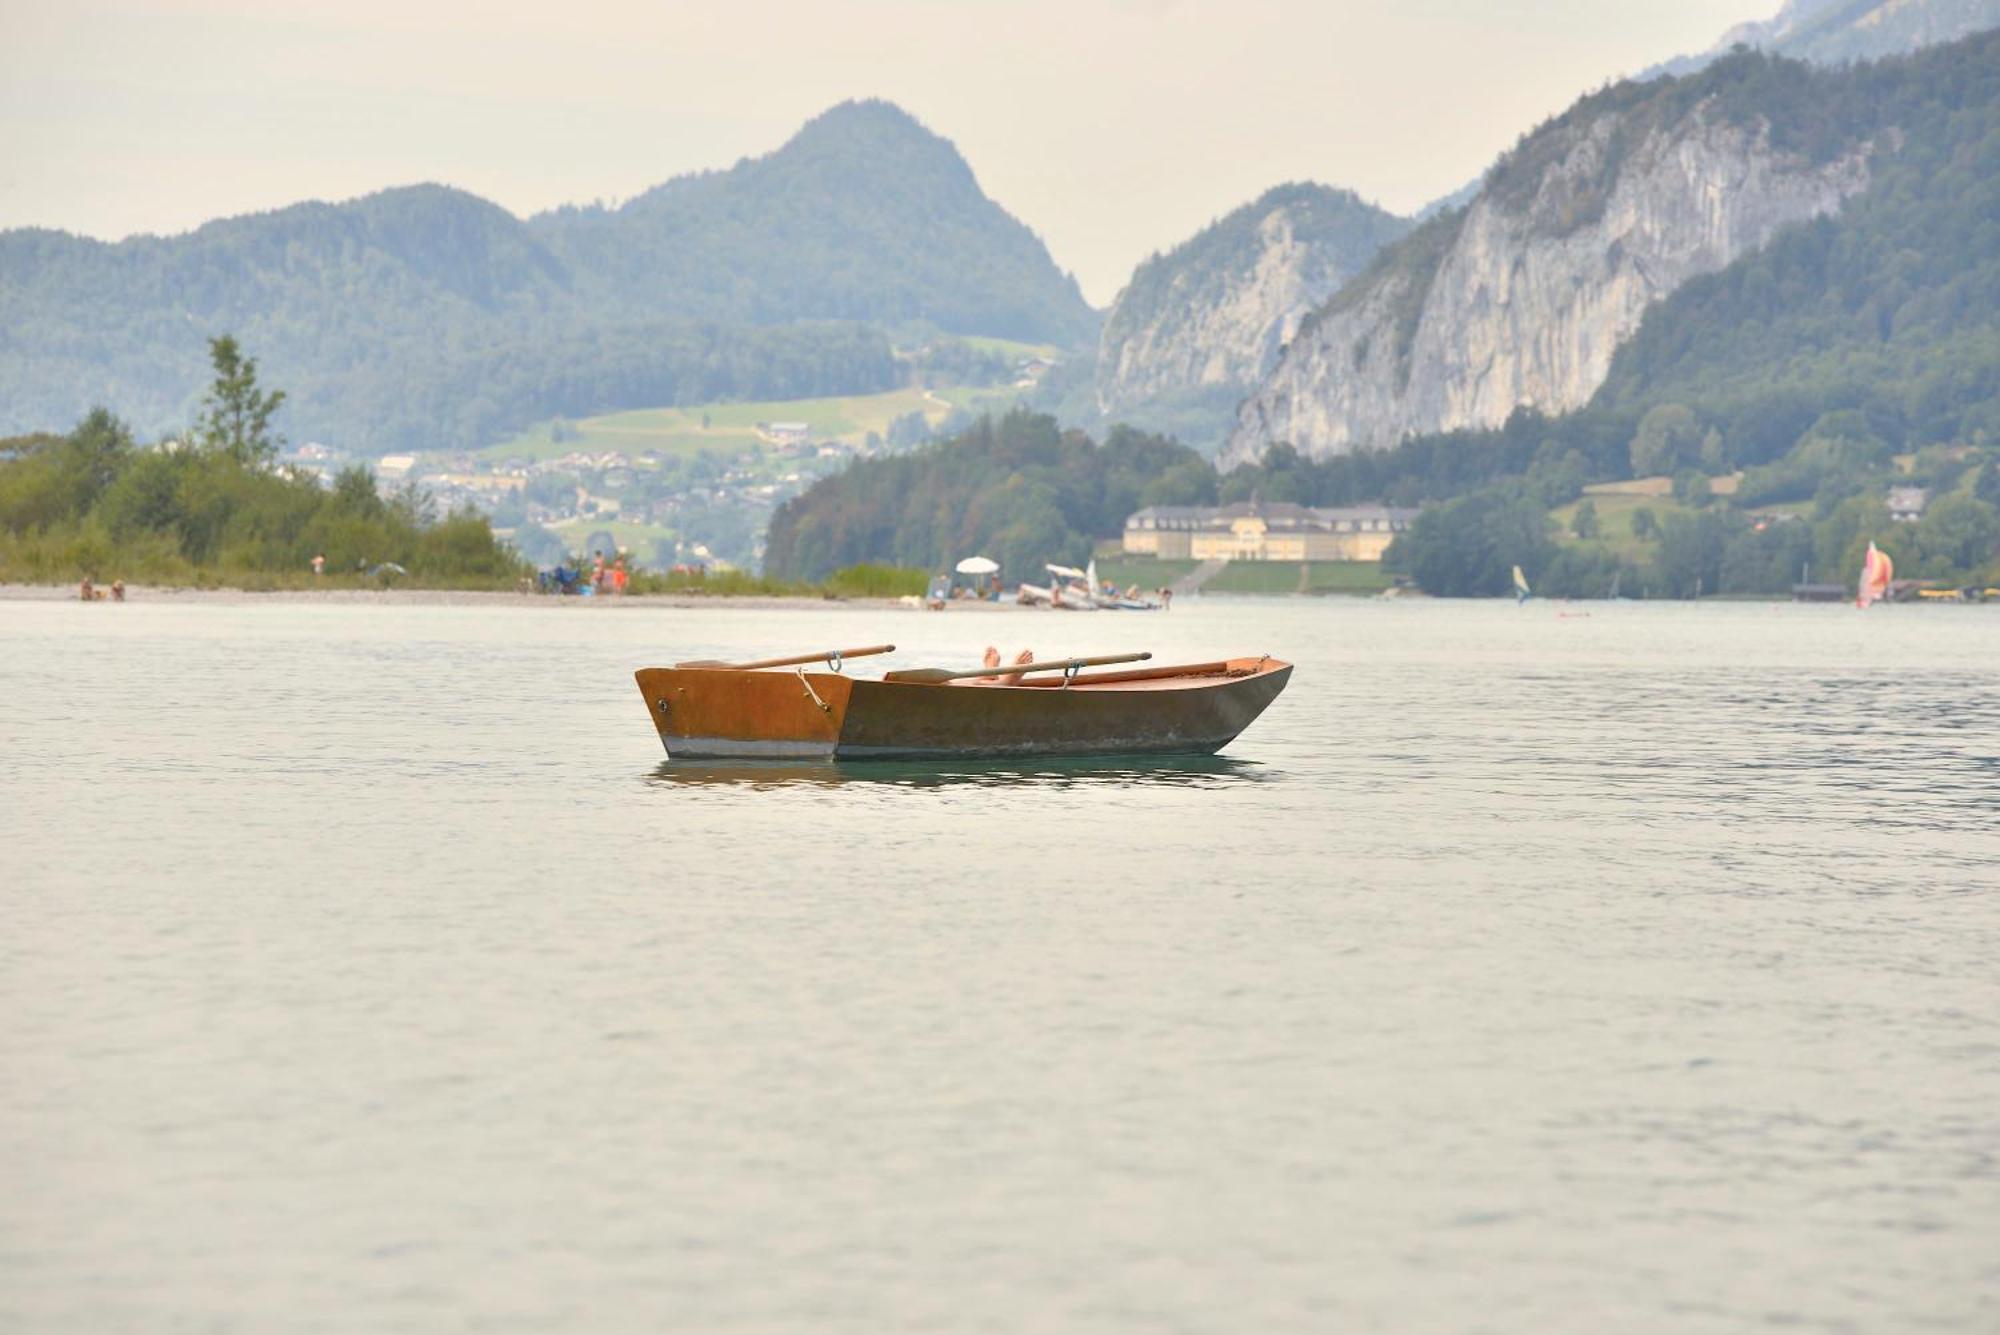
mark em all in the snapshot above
pixel 866 115
pixel 1197 328
pixel 863 214
pixel 1836 32
pixel 873 138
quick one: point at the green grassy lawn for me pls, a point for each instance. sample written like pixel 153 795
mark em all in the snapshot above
pixel 730 428
pixel 1350 577
pixel 638 539
pixel 1614 521
pixel 975 399
pixel 1007 347
pixel 1145 571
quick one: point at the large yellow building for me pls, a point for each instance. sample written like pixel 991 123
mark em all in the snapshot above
pixel 1260 531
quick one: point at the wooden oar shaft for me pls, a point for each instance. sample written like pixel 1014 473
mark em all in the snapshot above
pixel 796 659
pixel 932 675
pixel 1214 669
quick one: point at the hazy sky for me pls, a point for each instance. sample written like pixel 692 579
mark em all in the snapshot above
pixel 1112 127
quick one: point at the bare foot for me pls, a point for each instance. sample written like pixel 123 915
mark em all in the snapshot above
pixel 1014 678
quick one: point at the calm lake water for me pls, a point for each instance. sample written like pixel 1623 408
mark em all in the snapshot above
pixel 365 969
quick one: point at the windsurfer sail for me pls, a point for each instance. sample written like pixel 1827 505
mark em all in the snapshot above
pixel 1521 592
pixel 1876 572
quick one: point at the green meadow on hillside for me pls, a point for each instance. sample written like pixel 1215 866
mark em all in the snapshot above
pixel 729 429
pixel 1615 510
pixel 1008 347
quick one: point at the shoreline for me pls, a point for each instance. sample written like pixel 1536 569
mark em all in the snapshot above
pixel 187 594
pixel 181 594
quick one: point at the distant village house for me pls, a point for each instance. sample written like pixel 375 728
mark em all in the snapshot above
pixel 1264 531
pixel 784 433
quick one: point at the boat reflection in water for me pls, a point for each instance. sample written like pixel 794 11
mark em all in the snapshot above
pixel 1137 771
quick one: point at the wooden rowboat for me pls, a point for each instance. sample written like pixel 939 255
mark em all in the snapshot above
pixel 777 710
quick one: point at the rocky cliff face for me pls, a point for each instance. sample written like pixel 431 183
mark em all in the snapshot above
pixel 1198 328
pixel 1522 298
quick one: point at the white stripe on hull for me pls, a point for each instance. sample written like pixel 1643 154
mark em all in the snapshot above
pixel 731 748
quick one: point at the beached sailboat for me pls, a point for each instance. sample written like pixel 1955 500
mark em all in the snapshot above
pixel 1108 598
pixel 1877 570
pixel 776 709
pixel 1066 591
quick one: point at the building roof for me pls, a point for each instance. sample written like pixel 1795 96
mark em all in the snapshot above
pixel 1278 516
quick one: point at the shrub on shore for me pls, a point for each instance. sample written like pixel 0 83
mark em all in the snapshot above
pixel 93 503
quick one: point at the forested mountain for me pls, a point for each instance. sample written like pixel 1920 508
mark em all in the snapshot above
pixel 1017 489
pixel 863 215
pixel 1855 353
pixel 1526 298
pixel 427 317
pixel 1836 32
pixel 1891 307
pixel 1197 328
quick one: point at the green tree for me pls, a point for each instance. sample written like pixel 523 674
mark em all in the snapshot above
pixel 1584 523
pixel 354 492
pixel 1691 487
pixel 1669 438
pixel 1844 531
pixel 1959 534
pixel 1468 548
pixel 1190 482
pixel 1644 523
pixel 1689 561
pixel 1714 452
pixel 1987 486
pixel 56 478
pixel 235 414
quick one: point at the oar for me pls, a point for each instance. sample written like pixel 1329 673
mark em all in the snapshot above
pixel 833 656
pixel 1214 669
pixel 931 676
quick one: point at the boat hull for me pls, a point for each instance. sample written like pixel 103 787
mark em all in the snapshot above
pixel 718 714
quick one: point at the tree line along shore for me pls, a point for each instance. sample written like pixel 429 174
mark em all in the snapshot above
pixel 213 508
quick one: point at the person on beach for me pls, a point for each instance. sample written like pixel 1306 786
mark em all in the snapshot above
pixel 117 590
pixel 619 577
pixel 84 591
